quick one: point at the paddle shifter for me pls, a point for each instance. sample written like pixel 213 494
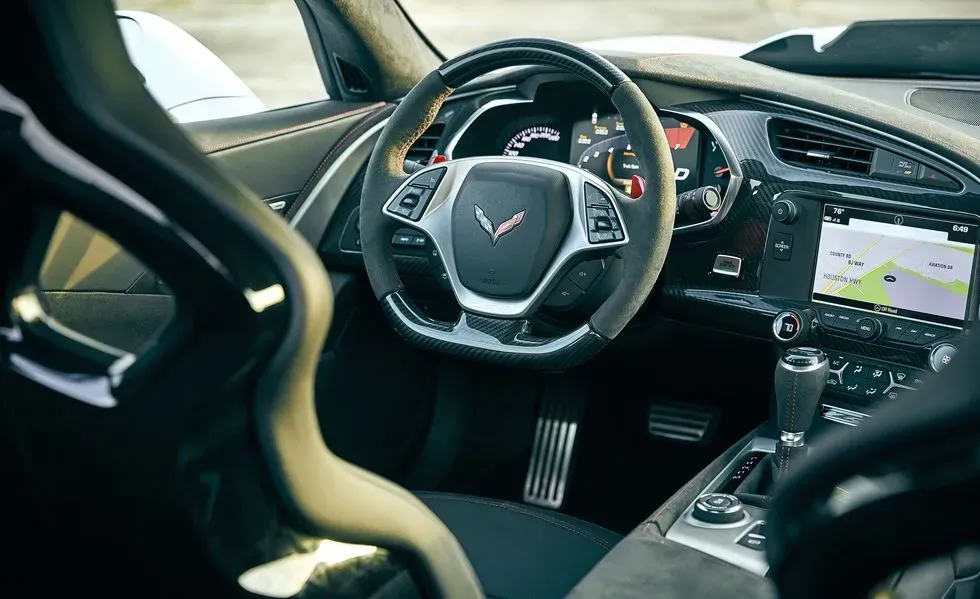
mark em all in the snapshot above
pixel 800 378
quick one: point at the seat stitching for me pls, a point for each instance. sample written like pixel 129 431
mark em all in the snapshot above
pixel 517 510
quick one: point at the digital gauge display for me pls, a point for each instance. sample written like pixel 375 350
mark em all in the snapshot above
pixel 600 145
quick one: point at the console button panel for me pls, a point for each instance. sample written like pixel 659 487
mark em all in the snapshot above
pixel 895 330
pixel 866 381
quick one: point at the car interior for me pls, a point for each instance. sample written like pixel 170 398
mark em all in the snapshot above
pixel 530 322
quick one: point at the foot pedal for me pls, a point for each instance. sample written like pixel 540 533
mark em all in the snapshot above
pixel 551 454
pixel 685 423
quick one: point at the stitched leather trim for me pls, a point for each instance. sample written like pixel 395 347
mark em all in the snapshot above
pixel 566 524
pixel 376 115
pixel 291 129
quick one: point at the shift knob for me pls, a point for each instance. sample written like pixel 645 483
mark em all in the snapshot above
pixel 801 375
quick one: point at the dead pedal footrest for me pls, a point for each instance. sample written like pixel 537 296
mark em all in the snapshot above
pixel 686 423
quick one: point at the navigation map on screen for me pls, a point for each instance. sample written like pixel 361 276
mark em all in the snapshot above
pixel 895 264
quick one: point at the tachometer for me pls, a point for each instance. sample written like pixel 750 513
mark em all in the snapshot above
pixel 539 141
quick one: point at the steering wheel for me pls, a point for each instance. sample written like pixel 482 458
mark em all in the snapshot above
pixel 508 229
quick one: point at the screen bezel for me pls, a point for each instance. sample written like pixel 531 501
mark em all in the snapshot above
pixel 932 319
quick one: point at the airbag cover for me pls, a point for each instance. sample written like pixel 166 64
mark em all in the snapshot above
pixel 508 221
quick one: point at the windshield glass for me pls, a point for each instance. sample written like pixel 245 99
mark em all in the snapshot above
pixel 456 26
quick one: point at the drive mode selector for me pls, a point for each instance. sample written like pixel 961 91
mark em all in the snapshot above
pixel 718 508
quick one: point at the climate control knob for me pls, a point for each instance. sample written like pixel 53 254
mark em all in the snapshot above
pixel 785 211
pixel 941 356
pixel 793 326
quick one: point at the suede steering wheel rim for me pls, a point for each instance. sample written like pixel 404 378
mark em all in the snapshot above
pixel 494 327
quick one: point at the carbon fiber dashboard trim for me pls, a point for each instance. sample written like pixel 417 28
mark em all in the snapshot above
pixel 691 292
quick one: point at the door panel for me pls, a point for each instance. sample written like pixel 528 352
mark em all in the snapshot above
pixel 103 292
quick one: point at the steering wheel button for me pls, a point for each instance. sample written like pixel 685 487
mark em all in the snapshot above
pixel 597 212
pixel 584 274
pixel 564 295
pixel 595 198
pixel 603 224
pixel 602 236
pixel 410 201
pixel 429 179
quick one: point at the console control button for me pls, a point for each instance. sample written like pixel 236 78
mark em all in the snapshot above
pixel 929 336
pixel 901 376
pixel 855 371
pixel 718 508
pixel 867 328
pixel 828 318
pixel 941 356
pixel 876 374
pixel 846 321
pixel 727 266
pixel 782 246
pixel 785 211
pixel 755 537
pixel 837 361
pixel 933 178
pixel 912 333
pixel 886 165
pixel 855 386
pixel 895 330
pixel 787 326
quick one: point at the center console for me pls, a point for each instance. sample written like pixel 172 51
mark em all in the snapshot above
pixel 886 290
pixel 872 298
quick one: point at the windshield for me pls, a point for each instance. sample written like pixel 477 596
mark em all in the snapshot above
pixel 734 26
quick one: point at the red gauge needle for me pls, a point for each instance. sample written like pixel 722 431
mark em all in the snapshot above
pixel 721 171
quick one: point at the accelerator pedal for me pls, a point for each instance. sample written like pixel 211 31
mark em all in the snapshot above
pixel 684 423
pixel 554 445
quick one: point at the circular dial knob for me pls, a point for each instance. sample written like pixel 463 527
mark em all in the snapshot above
pixel 787 326
pixel 941 356
pixel 785 211
pixel 868 328
pixel 718 508
pixel 700 203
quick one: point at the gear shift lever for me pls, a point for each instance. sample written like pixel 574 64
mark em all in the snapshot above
pixel 801 375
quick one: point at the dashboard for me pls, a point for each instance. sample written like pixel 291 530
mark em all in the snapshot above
pixel 830 233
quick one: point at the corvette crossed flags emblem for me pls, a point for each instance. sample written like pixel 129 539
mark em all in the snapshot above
pixel 502 229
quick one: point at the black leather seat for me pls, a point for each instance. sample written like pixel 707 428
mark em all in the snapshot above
pixel 519 551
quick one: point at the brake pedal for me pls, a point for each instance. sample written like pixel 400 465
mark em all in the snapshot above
pixel 554 444
pixel 685 423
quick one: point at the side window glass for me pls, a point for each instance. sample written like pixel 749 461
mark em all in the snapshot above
pixel 211 59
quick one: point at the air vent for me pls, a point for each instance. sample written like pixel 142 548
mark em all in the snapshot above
pixel 421 151
pixel 812 147
pixel 351 77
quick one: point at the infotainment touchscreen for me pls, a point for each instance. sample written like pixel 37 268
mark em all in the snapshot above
pixel 895 264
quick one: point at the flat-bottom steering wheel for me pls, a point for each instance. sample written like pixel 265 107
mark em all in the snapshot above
pixel 507 229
